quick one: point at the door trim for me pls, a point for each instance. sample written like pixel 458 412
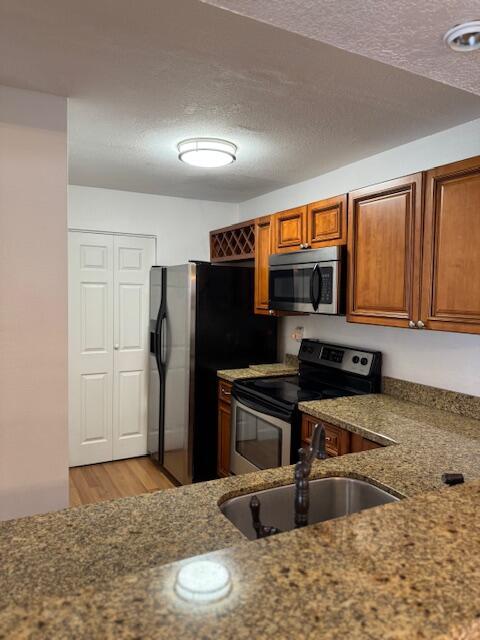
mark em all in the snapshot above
pixel 119 233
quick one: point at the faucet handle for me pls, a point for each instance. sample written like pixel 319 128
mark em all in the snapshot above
pixel 261 530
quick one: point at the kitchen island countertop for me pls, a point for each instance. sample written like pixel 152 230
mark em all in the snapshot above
pixel 404 570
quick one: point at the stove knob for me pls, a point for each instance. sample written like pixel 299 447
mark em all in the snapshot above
pixel 355 359
pixel 364 361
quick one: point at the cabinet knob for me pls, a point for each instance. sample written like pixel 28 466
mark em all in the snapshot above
pixel 420 324
pixel 412 324
pixel 116 347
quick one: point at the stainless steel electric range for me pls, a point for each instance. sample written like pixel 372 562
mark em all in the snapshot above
pixel 266 422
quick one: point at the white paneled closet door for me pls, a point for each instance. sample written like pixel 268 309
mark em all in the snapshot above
pixel 108 345
pixel 133 258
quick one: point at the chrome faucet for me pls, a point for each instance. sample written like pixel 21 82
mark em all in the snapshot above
pixel 316 451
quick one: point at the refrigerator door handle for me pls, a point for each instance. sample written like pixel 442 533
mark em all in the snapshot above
pixel 163 340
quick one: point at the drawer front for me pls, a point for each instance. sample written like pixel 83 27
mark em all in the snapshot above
pixel 225 391
pixel 337 440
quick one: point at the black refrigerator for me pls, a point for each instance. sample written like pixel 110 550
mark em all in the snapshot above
pixel 201 320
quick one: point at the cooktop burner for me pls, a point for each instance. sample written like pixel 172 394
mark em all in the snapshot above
pixel 287 389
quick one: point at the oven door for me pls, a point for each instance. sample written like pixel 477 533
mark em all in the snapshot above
pixel 309 287
pixel 258 440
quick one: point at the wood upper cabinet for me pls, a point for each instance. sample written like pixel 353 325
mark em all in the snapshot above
pixel 451 251
pixel 327 222
pixel 319 224
pixel 384 249
pixel 263 249
pixel 290 229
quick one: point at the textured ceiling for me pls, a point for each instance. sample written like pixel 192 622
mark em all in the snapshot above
pixel 404 33
pixel 143 75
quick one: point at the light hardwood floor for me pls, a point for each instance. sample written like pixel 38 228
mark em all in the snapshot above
pixel 119 479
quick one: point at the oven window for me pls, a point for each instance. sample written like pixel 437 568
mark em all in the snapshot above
pixel 291 285
pixel 257 440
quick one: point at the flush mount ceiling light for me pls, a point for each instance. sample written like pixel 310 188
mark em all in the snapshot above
pixel 207 152
pixel 464 37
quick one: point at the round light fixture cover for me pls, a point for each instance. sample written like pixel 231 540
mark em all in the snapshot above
pixel 207 152
pixel 203 581
pixel 464 37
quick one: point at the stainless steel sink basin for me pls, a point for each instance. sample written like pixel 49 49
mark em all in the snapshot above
pixel 329 498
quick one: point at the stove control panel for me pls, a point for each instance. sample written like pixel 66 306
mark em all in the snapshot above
pixel 348 359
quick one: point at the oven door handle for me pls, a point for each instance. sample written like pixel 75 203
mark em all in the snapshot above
pixel 315 299
pixel 262 410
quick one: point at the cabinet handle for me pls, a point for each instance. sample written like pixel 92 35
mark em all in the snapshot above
pixel 226 393
pixel 271 312
pixel 412 324
pixel 420 325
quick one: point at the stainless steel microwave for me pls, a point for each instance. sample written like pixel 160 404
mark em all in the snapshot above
pixel 311 281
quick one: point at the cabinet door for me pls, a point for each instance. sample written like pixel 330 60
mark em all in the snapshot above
pixel 384 236
pixel 263 249
pixel 290 229
pixel 223 454
pixel 327 222
pixel 451 258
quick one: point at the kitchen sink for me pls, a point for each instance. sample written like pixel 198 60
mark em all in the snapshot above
pixel 329 498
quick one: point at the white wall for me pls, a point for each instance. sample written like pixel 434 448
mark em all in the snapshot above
pixel 436 358
pixel 440 148
pixel 180 224
pixel 33 303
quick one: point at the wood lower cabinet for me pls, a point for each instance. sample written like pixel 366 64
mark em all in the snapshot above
pixel 338 441
pixel 290 230
pixel 223 436
pixel 359 443
pixel 327 222
pixel 384 249
pixel 451 248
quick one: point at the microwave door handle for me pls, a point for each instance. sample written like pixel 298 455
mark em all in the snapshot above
pixel 319 297
pixel 314 299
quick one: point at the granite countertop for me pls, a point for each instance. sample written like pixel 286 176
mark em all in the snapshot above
pixel 289 367
pixel 258 371
pixel 404 570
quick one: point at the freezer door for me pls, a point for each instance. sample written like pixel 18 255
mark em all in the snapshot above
pixel 179 337
pixel 155 374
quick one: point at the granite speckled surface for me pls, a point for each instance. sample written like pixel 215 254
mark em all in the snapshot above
pixel 407 570
pixel 259 371
pixel 452 401
pixel 404 571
